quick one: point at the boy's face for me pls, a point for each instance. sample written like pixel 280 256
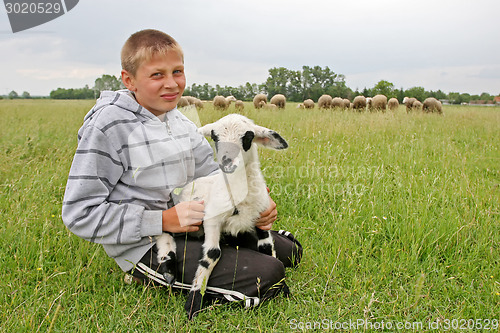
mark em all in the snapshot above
pixel 159 83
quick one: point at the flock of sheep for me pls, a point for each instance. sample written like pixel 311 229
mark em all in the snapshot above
pixel 359 103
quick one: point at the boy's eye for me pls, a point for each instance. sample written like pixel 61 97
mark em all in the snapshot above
pixel 156 74
pixel 178 71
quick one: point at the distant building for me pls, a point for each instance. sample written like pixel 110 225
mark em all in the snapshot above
pixel 496 99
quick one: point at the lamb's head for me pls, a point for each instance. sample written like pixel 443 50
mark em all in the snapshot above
pixel 235 137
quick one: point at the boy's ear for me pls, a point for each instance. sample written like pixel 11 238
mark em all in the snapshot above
pixel 269 138
pixel 128 80
pixel 206 130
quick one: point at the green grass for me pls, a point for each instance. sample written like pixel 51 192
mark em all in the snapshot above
pixel 398 215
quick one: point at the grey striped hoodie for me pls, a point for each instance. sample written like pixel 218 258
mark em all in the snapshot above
pixel 127 163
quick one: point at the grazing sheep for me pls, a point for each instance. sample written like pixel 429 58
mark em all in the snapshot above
pixel 230 99
pixel 409 103
pixel 432 105
pixel 416 106
pixel 359 103
pixel 183 101
pixel 269 106
pixel 234 199
pixel 194 101
pixel 325 102
pixel 347 103
pixel 309 104
pixel 279 100
pixel 220 103
pixel 300 106
pixel 337 102
pixel 257 99
pixel 378 103
pixel 198 103
pixel 239 105
pixel 393 104
pixel 368 103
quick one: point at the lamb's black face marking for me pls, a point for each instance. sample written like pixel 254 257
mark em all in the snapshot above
pixel 282 141
pixel 214 136
pixel 247 139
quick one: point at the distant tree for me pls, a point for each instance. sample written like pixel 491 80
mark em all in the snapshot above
pixel 13 95
pixel 417 92
pixel 277 81
pixel 486 97
pixel 25 95
pixel 465 98
pixel 400 95
pixel 384 88
pixel 454 98
pixel 108 82
pixel 79 93
pixel 365 92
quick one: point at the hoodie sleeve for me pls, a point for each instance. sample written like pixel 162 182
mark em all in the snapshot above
pixel 86 211
pixel 203 154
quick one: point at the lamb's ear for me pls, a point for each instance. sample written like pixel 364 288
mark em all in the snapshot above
pixel 269 138
pixel 206 130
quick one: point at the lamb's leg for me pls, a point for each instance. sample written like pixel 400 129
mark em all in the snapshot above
pixel 266 242
pixel 210 256
pixel 166 257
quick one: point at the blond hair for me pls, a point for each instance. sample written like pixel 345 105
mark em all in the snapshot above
pixel 143 45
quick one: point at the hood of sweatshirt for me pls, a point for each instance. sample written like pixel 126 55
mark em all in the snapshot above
pixel 124 99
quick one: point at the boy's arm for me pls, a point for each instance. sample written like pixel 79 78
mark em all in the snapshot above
pixel 86 211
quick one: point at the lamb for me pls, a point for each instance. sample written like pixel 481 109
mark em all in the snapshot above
pixel 270 106
pixel 233 198
pixel 230 99
pixel 378 103
pixel 309 104
pixel 347 103
pixel 239 105
pixel 279 100
pixel 325 102
pixel 359 103
pixel 220 103
pixel 257 99
pixel 393 104
pixel 432 105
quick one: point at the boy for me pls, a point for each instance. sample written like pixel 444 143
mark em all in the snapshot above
pixel 134 149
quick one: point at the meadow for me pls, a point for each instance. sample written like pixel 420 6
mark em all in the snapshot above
pixel 398 215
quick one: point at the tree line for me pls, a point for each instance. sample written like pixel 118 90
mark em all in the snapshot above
pixel 296 85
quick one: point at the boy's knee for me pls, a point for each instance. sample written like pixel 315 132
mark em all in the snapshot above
pixel 271 274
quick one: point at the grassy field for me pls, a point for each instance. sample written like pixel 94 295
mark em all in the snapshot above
pixel 398 215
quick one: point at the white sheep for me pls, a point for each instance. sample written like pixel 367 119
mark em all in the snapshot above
pixel 230 99
pixel 259 98
pixel 393 104
pixel 220 102
pixel 234 198
pixel 279 100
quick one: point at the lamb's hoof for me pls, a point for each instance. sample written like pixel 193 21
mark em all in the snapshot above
pixel 169 278
pixel 193 303
pixel 168 268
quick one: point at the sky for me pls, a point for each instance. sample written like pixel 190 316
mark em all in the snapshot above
pixel 451 45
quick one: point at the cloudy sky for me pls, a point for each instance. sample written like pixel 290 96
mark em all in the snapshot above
pixel 452 45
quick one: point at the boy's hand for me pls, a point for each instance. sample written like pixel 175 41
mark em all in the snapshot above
pixel 184 217
pixel 267 217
